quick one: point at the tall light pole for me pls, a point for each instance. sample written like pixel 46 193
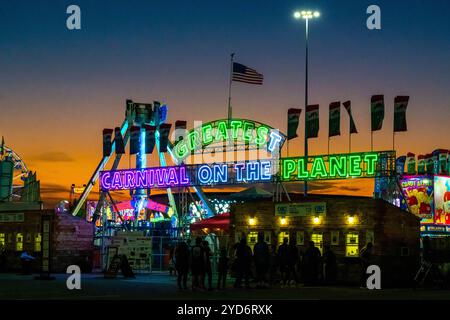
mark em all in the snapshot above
pixel 306 15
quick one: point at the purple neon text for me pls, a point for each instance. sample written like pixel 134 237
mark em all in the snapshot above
pixel 144 179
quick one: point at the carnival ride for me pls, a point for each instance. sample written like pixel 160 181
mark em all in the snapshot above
pixel 139 116
pixel 13 170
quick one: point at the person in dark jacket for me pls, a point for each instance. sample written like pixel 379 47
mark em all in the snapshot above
pixel 293 257
pixel 222 269
pixel 261 257
pixel 365 257
pixel 330 265
pixel 273 265
pixel 197 264
pixel 243 263
pixel 181 255
pixel 208 269
pixel 283 261
pixel 311 262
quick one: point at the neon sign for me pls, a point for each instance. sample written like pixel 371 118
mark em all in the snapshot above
pixel 324 167
pixel 338 166
pixel 243 131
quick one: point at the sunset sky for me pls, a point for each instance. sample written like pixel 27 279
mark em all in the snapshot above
pixel 60 88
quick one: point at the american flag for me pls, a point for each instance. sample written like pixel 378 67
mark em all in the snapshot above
pixel 245 74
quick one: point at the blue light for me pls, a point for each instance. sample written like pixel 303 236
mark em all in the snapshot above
pixel 275 140
pixel 205 174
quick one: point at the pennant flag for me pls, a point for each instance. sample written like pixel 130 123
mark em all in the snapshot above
pixel 421 164
pixel 135 133
pixel 149 138
pixel 245 74
pixel 348 107
pixel 164 130
pixel 400 105
pixel 400 165
pixel 118 140
pixel 312 121
pixel 180 129
pixel 2 147
pixel 107 143
pixel 377 112
pixel 334 123
pixel 293 120
pixel 411 163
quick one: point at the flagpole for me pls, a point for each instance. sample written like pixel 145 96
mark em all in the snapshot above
pixel 230 111
pixel 371 140
pixel 350 142
pixel 328 145
pixel 393 140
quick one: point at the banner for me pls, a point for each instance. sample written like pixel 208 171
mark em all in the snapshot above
pixel 411 163
pixel 400 105
pixel 348 107
pixel 293 121
pixel 135 132
pixel 400 165
pixel 164 130
pixel 118 140
pixel 334 123
pixel 149 138
pixel 107 143
pixel 312 121
pixel 180 129
pixel 377 112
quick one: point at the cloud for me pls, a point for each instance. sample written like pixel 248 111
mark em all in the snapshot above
pixel 52 188
pixel 53 156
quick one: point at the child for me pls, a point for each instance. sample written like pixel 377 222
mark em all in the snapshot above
pixel 222 268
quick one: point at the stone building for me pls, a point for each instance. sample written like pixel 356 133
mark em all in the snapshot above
pixel 345 223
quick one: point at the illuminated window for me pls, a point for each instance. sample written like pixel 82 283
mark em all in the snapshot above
pixel 2 239
pixel 281 237
pixel 317 238
pixel 252 238
pixel 352 244
pixel 37 242
pixel 19 242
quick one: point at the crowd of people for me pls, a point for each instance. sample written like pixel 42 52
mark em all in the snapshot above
pixel 267 265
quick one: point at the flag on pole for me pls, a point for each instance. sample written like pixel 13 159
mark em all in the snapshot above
pixel 400 105
pixel 377 112
pixel 180 129
pixel 135 133
pixel 107 144
pixel 149 138
pixel 245 74
pixel 118 140
pixel 164 130
pixel 2 147
pixel 334 123
pixel 312 121
pixel 293 121
pixel 348 107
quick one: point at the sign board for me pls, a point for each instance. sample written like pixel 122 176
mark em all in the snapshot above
pixel 324 167
pixel 304 209
pixel 12 217
pixel 136 247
